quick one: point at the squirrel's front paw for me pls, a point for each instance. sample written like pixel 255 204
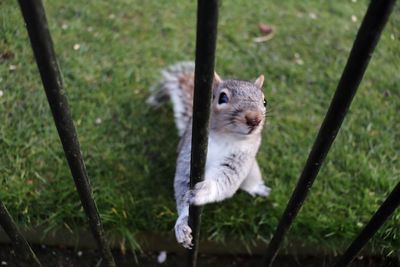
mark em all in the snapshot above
pixel 203 193
pixel 183 232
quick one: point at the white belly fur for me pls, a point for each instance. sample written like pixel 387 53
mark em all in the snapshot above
pixel 222 146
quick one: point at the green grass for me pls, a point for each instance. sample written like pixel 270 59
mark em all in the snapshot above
pixel 130 155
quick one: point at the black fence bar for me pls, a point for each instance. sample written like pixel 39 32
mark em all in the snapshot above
pixel 42 45
pixel 382 214
pixel 363 47
pixel 206 38
pixel 21 246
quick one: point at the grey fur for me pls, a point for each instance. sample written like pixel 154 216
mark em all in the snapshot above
pixel 234 139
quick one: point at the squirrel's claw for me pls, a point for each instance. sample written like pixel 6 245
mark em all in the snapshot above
pixel 183 233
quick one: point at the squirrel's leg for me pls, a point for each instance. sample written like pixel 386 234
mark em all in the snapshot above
pixel 220 182
pixel 183 232
pixel 254 184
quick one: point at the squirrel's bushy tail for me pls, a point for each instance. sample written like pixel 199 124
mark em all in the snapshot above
pixel 177 84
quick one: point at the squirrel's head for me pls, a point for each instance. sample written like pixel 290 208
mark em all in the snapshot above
pixel 238 107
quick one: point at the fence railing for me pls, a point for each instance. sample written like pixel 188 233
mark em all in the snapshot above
pixel 363 47
pixel 21 245
pixel 42 46
pixel 207 20
pixel 383 213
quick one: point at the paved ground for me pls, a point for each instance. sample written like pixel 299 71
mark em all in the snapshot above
pixel 66 257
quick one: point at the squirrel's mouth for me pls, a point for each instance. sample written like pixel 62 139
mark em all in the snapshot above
pixel 254 128
pixel 251 130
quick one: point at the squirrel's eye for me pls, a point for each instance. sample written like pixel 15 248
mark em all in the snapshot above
pixel 265 102
pixel 223 99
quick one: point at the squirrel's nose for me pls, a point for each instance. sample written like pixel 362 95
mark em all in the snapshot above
pixel 252 119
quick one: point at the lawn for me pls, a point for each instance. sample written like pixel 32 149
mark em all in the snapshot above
pixel 110 53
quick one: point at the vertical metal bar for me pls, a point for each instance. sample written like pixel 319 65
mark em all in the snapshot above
pixel 20 244
pixel 42 45
pixel 387 208
pixel 206 37
pixel 363 47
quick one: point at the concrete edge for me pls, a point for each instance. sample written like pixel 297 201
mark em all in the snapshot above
pixel 83 239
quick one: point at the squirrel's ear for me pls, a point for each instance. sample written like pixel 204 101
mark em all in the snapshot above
pixel 259 82
pixel 217 79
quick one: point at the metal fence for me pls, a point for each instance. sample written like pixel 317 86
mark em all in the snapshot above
pixel 207 19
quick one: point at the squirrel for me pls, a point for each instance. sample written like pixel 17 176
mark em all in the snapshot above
pixel 238 112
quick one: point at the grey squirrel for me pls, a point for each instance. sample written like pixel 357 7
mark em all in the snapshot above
pixel 237 118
